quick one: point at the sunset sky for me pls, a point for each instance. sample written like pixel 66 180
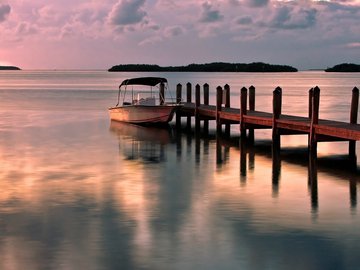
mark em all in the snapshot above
pixel 97 34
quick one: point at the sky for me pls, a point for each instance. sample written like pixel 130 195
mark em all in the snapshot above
pixel 98 34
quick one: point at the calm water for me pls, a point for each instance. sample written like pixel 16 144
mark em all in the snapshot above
pixel 79 192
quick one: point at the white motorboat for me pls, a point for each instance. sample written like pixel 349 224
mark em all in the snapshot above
pixel 140 106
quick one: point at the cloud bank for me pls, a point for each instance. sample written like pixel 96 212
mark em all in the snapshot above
pixel 303 33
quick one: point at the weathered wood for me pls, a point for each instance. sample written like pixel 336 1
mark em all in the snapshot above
pixel 188 99
pixel 353 120
pixel 276 113
pixel 317 129
pixel 206 94
pixel 227 105
pixel 243 110
pixel 314 119
pixel 227 95
pixel 197 104
pixel 252 98
pixel 251 108
pixel 178 101
pixel 206 102
pixel 219 94
pixel 311 94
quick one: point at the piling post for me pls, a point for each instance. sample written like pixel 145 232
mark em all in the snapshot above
pixel 277 93
pixel 243 110
pixel 251 108
pixel 314 121
pixel 188 100
pixel 206 102
pixel 219 94
pixel 197 105
pixel 353 120
pixel 252 98
pixel 178 101
pixel 227 105
pixel 311 94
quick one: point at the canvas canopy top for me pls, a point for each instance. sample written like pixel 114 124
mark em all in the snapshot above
pixel 150 81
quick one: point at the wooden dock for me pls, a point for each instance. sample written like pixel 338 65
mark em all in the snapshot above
pixel 249 119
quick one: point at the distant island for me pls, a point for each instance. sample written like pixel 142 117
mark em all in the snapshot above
pixel 209 67
pixel 345 67
pixel 9 68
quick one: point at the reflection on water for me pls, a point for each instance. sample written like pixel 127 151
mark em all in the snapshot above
pixel 141 142
pixel 78 192
pixel 148 198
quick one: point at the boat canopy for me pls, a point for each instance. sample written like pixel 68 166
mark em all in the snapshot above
pixel 150 81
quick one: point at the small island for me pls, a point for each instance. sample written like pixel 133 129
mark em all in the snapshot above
pixel 209 67
pixel 9 68
pixel 345 67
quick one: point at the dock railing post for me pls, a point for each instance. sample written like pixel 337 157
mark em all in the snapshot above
pixel 275 150
pixel 197 104
pixel 243 111
pixel 206 102
pixel 178 101
pixel 277 99
pixel 227 105
pixel 314 121
pixel 219 94
pixel 251 108
pixel 353 120
pixel 311 94
pixel 188 100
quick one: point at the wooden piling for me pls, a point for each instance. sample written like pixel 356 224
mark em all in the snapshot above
pixel 219 93
pixel 252 98
pixel 328 130
pixel 188 100
pixel 197 104
pixel 206 102
pixel 227 105
pixel 251 108
pixel 311 94
pixel 178 101
pixel 277 99
pixel 353 120
pixel 314 120
pixel 243 110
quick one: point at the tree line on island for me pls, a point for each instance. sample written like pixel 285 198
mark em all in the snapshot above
pixel 217 67
pixel 209 67
pixel 225 67
pixel 9 68
pixel 345 67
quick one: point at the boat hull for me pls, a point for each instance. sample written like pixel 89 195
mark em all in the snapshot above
pixel 137 114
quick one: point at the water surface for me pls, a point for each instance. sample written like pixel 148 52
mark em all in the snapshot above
pixel 80 192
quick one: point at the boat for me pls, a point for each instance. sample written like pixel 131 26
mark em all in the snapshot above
pixel 137 105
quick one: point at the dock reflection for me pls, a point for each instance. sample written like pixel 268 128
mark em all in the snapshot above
pixel 329 165
pixel 142 142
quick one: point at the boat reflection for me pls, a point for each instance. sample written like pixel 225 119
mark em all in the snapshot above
pixel 145 143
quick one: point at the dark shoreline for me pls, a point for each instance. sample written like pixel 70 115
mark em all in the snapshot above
pixel 9 68
pixel 209 67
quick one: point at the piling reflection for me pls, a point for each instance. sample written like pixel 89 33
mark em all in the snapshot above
pixel 313 182
pixel 248 153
